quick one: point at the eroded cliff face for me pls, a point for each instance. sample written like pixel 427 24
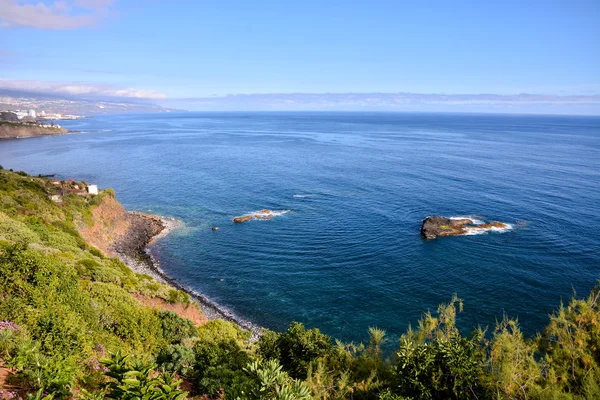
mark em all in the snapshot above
pixel 110 222
pixel 14 131
pixel 116 232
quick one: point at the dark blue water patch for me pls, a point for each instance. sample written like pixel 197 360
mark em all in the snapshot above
pixel 348 255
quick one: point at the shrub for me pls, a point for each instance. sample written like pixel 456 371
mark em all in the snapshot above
pixel 177 359
pixel 269 381
pixel 135 380
pixel 95 252
pixel 571 344
pixel 296 348
pixel 436 362
pixel 220 358
pixel 513 370
pixel 175 328
pixel 36 371
pixel 178 296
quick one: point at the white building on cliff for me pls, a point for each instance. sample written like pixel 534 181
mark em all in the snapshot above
pixel 92 189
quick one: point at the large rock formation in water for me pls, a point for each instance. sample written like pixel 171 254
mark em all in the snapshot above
pixel 433 227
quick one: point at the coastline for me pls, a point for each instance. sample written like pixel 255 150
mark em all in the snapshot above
pixel 135 251
pixel 13 130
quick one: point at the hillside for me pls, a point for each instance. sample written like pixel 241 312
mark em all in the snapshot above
pixel 76 322
pixel 13 130
pixel 22 100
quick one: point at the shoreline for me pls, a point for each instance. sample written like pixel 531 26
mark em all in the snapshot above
pixel 21 130
pixel 135 251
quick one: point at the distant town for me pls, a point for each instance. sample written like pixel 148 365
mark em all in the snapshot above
pixel 31 117
pixel 53 106
pixel 22 124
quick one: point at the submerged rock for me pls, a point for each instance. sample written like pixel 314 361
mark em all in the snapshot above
pixel 436 226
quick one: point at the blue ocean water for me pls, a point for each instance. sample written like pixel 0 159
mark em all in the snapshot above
pixel 348 255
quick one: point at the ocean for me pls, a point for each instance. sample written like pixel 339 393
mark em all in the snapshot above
pixel 350 190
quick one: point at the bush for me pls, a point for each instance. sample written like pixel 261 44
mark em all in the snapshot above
pixel 34 370
pixel 436 362
pixel 135 380
pixel 571 344
pixel 177 359
pixel 269 381
pixel 175 328
pixel 220 358
pixel 296 348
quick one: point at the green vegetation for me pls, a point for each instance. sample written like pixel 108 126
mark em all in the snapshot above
pixel 70 328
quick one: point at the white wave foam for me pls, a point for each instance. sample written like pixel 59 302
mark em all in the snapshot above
pixel 475 220
pixel 302 196
pixel 265 214
pixel 479 231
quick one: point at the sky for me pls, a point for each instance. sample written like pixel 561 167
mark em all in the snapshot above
pixel 180 51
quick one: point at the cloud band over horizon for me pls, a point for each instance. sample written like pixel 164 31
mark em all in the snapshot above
pixel 78 89
pixel 578 104
pixel 402 101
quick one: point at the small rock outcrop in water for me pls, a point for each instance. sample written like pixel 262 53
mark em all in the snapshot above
pixel 433 227
pixel 262 214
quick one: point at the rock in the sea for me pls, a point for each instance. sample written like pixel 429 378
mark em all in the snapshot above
pixel 433 227
pixel 262 214
pixel 244 218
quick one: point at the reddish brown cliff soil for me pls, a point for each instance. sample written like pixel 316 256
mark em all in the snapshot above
pixel 117 232
pixel 110 223
pixel 5 387
pixel 191 311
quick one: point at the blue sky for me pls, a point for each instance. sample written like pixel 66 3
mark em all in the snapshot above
pixel 188 49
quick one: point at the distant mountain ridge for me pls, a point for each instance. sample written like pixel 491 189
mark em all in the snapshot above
pixel 19 100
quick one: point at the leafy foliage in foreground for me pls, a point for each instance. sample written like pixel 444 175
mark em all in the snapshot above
pixel 70 327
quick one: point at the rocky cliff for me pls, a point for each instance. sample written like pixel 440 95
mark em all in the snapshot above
pixel 12 130
pixel 118 232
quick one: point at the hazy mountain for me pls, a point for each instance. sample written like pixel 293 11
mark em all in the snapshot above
pixel 19 100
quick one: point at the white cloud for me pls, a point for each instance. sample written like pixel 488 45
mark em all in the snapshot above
pixel 56 15
pixel 78 89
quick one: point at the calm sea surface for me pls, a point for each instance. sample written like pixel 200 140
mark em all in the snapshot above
pixel 348 255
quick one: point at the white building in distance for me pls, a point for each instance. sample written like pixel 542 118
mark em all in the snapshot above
pixel 31 113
